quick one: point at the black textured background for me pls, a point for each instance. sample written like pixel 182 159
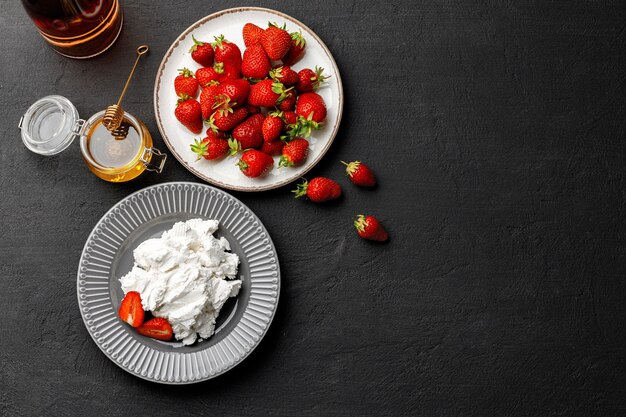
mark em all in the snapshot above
pixel 496 129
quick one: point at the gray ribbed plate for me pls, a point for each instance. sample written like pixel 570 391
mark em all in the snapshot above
pixel 108 255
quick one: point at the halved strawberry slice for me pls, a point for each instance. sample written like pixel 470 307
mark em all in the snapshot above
pixel 156 328
pixel 131 310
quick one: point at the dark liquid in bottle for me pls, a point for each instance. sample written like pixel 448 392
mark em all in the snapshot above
pixel 76 28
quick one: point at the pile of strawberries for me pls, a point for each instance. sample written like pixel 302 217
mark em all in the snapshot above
pixel 255 104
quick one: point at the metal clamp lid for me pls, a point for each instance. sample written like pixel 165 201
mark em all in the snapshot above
pixel 150 162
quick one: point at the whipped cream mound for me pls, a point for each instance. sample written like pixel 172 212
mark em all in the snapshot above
pixel 185 276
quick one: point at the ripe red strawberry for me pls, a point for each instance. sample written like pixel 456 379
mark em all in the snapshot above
pixel 294 153
pixel 309 80
pixel 226 119
pixel 249 133
pixel 235 90
pixel 298 43
pixel 311 106
pixel 211 147
pixel 185 83
pixel 156 328
pixel 205 76
pixel 201 52
pixel 319 189
pixel 131 311
pixel 255 163
pixel 290 118
pixel 360 174
pixel 189 113
pixel 370 228
pixel 251 34
pixel 272 126
pixel 276 41
pixel 227 53
pixel 289 102
pixel 273 148
pixel 256 63
pixel 267 93
pixel 285 75
pixel 208 98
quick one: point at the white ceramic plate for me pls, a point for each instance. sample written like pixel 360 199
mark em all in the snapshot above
pixel 108 255
pixel 229 22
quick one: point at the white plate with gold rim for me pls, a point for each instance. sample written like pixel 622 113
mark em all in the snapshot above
pixel 225 173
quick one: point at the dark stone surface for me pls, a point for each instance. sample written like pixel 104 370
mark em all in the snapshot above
pixel 496 129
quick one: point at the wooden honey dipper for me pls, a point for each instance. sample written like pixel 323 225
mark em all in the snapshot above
pixel 114 114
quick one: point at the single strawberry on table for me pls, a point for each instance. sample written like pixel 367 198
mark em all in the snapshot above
pixel 360 174
pixel 225 119
pixel 276 41
pixel 309 80
pixel 201 52
pixel 294 153
pixel 254 163
pixel 256 64
pixel 249 133
pixel 227 53
pixel 318 190
pixel 189 112
pixel 267 93
pixel 370 228
pixel 251 34
pixel 156 328
pixel 273 126
pixel 311 106
pixel 298 43
pixel 130 310
pixel 186 83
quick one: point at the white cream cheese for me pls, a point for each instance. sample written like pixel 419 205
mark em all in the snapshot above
pixel 185 276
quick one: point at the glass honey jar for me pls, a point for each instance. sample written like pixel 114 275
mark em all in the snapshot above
pixel 51 124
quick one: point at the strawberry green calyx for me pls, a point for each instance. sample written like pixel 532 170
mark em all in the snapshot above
pixel 219 67
pixel 219 40
pixel 301 189
pixel 234 146
pixel 279 88
pixel 277 113
pixel 195 45
pixel 242 165
pixel 359 223
pixel 318 78
pixel 200 148
pixel 307 125
pixel 298 38
pixel 283 27
pixel 211 123
pixel 223 103
pixel 182 97
pixel 186 72
pixel 284 162
pixel 276 74
pixel 351 167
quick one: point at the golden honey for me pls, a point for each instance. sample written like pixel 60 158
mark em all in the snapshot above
pixel 118 158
